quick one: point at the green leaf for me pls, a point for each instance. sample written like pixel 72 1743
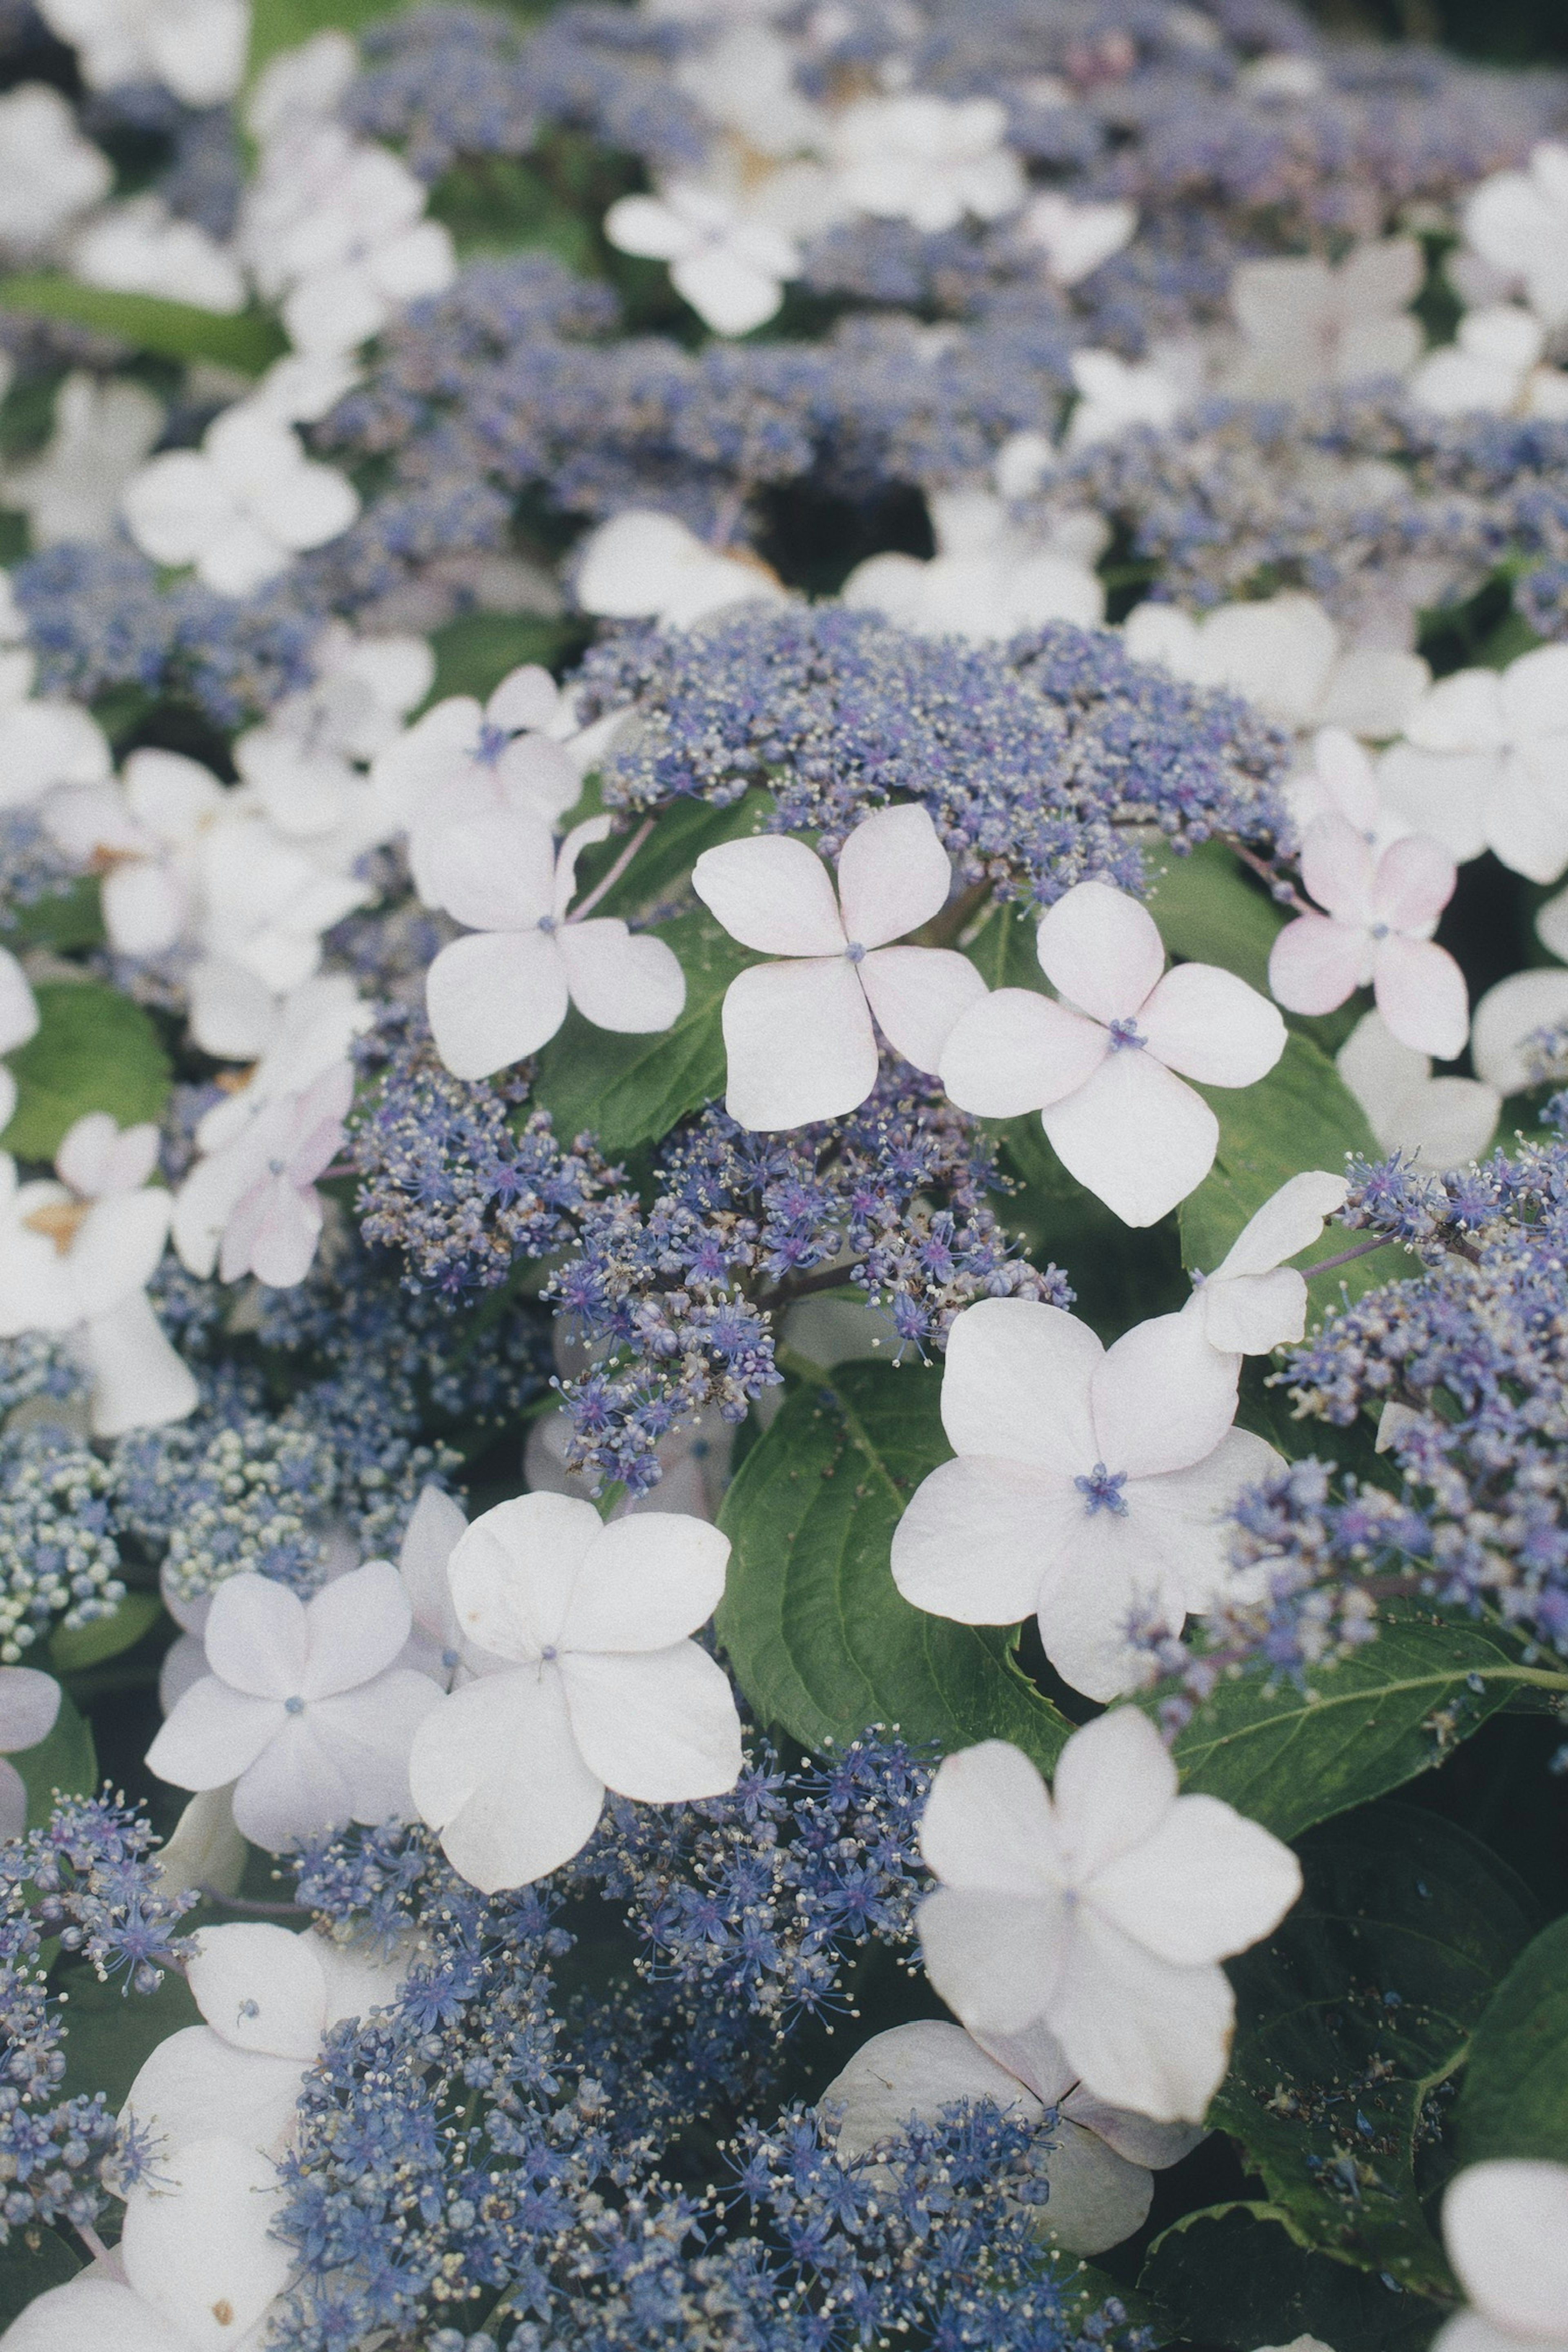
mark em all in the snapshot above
pixel 1237 2275
pixel 111 2032
pixel 1003 949
pixel 1302 1115
pixel 247 341
pixel 474 654
pixel 66 1761
pixel 680 835
pixel 819 1635
pixel 1515 2097
pixel 1290 1758
pixel 1359 2006
pixel 277 25
pixel 498 203
pixel 72 918
pixel 632 1089
pixel 71 1649
pixel 1209 912
pixel 27 2271
pixel 94 1050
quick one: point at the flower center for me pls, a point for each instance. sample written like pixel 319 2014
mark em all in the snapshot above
pixel 549 1654
pixel 1379 930
pixel 548 925
pixel 1126 1036
pixel 1101 1490
pixel 855 953
pixel 449 1658
pixel 59 1220
pixel 492 742
pixel 295 1705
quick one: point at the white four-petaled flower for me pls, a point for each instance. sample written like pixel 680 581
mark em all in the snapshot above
pixel 1438 1123
pixel 733 268
pixel 1379 912
pixel 241 505
pixel 1100 1067
pixel 252 1206
pixel 1102 1908
pixel 1505 2225
pixel 1484 763
pixel 1090 1484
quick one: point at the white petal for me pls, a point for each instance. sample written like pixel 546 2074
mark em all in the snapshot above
pixel 772 893
pixel 18 1011
pixel 660 1726
pixel 968 1546
pixel 496 1769
pixel 197 2246
pixel 527 697
pixel 260 1988
pixel 195 2084
pixel 294 1791
pixel 1252 1314
pixel 1180 1517
pixel 493 873
pixel 212 1735
pixel 1462 713
pixel 1445 1122
pixel 1527 823
pixel 1289 1221
pixel 257 1636
pixel 513 1572
pixel 1137 2137
pixel 83 2317
pixel 436 1526
pixel 1115 1783
pixel 644 226
pixel 1420 991
pixel 139 1381
pixel 1535 693
pixel 48 743
pixel 917 996
pixel 989 1826
pixel 1443 794
pixel 1097 2197
pixel 1506 2228
pixel 367 1733
pixel 1102 950
pixel 1098 1569
pixel 1015 1381
pixel 1016 1050
pixel 233 1014
pixel 916 2071
pixel 1203 1884
pixel 1507 1014
pixel 621 980
pixel 1160 1400
pixel 799 1043
pixel 631 565
pixel 1136 1136
pixel 727 291
pixel 354 1628
pixel 494 997
pixel 1209 1025
pixel 30 1704
pixel 176 507
pixel 643 1584
pixel 995 1960
pixel 1141 2033
pixel 893 876
pixel 117 1247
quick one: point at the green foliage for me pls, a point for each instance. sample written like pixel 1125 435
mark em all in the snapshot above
pixel 105 1637
pixel 820 1639
pixel 1515 2097
pixel 1003 949
pixel 1209 912
pixel 1120 1275
pixel 94 1050
pixel 277 25
pixel 1292 1757
pixel 474 654
pixel 247 341
pixel 66 1761
pixel 498 203
pixel 1352 2016
pixel 28 2269
pixel 680 837
pixel 111 2031
pixel 66 918
pixel 1237 2274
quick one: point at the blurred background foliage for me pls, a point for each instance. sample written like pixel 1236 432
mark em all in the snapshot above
pixel 1510 32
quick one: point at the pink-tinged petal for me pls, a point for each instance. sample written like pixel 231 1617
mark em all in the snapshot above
pixel 496 1769
pixel 893 876
pixel 1017 1382
pixel 1314 964
pixel 198 2236
pixel 989 1828
pixel 1035 2058
pixel 294 1791
pixel 354 1628
pixel 917 996
pixel 799 1041
pixel 494 873
pixel 368 1732
pixel 916 2071
pixel 1207 1025
pixel 272 1233
pixel 1115 1784
pixel 659 1726
pixel 494 997
pixel 1102 950
pixel 1414 883
pixel 1337 868
pixel 1203 1884
pixel 212 1735
pixel 1421 994
pixel 1015 1051
pixel 643 1584
pixel 257 1636
pixel 1141 2033
pixel 513 1573
pixel 1136 1136
pixel 772 893
pixel 1505 2224
pixel 260 1989
pixel 995 1960
pixel 968 1545
pixel 621 980
pixel 1161 1399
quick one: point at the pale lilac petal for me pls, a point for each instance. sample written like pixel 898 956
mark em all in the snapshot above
pixel 1017 1382
pixel 214 1735
pixel 354 1628
pixel 1102 950
pixel 272 1233
pixel 917 996
pixel 29 1706
pixel 494 997
pixel 513 1572
pixel 772 893
pixel 1209 1025
pixel 659 1726
pixel 197 2235
pixel 496 1769
pixel 260 1989
pixel 1137 2137
pixel 1337 868
pixel 1203 1884
pixel 1505 2224
pixel 916 2071
pixel 1115 1784
pixel 1137 1135
pixel 493 873
pixel 1141 2033
pixel 799 1041
pixel 643 1584
pixel 989 1828
pixel 621 980
pixel 1414 883
pixel 996 1959
pixel 257 1636
pixel 968 1545
pixel 1161 1399
pixel 893 876
pixel 1015 1051
pixel 368 1732
pixel 1421 994
pixel 1314 964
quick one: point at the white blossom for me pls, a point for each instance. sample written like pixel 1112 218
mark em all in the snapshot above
pixel 18 1022
pixel 435 1647
pixel 1088 1483
pixel 301 760
pixel 1306 323
pixel 140 247
pixel 1508 1017
pixel 195 48
pixel 1284 654
pixel 799 1035
pixel 587 1682
pixel 1075 238
pixel 732 268
pixel 302 1706
pixel 1484 763
pixel 1438 1123
pixel 1101 1065
pixel 985 581
pixel 932 161
pixel 1102 2159
pixel 49 173
pixel 1114 393
pixel 1343 781
pixel 1379 912
pixel 1504 2226
pixel 1100 1908
pixel 1253 1301
pixel 252 1206
pixel 309 1032
pixel 43 742
pixel 103 432
pixel 646 566
pixel 30 1704
pixel 1494 365
pixel 744 80
pixel 1518 221
pixel 505 990
pixel 462 760
pixel 241 505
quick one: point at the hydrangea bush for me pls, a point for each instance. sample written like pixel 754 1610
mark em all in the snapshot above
pixel 784 1206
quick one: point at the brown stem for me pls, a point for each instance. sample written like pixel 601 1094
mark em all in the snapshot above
pixel 1363 1249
